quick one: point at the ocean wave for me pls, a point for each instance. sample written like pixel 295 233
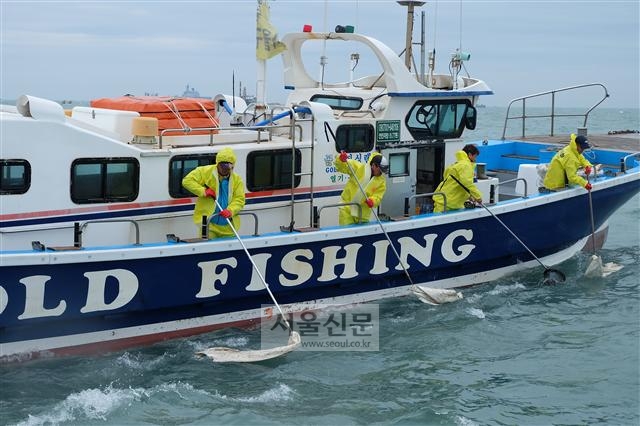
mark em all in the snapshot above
pixel 502 289
pixel 136 361
pixel 279 393
pixel 100 404
pixel 478 313
pixel 89 404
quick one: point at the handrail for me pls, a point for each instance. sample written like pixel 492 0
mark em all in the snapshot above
pixel 255 221
pixel 623 161
pixel 292 134
pixel 407 200
pixel 259 129
pixel 317 218
pixel 553 115
pixel 311 162
pixel 362 113
pixel 78 236
pixel 515 180
pixel 188 130
pixel 242 213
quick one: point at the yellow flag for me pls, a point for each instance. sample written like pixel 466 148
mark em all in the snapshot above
pixel 267 44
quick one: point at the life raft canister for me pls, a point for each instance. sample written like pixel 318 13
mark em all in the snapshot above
pixel 171 112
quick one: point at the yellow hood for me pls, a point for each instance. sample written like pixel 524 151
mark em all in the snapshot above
pixel 226 155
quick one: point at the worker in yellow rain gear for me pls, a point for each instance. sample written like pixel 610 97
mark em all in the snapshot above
pixel 371 178
pixel 458 178
pixel 565 164
pixel 217 182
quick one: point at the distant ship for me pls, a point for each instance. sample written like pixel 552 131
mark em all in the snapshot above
pixel 191 92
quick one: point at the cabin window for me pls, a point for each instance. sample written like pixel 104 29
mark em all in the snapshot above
pixel 15 176
pixel 180 166
pixel 104 180
pixel 269 170
pixel 355 138
pixel 343 103
pixel 399 164
pixel 442 119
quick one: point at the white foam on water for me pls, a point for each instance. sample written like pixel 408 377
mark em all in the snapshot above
pixel 98 404
pixel 501 289
pixel 473 298
pixel 463 421
pixel 93 404
pixel 179 388
pixel 228 342
pixel 478 313
pixel 232 342
pixel 400 320
pixel 280 393
pixel 496 291
pixel 135 361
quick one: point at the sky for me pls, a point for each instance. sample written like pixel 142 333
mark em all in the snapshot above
pixel 82 50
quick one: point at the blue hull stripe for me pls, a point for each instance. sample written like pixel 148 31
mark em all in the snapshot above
pixel 444 94
pixel 434 94
pixel 141 212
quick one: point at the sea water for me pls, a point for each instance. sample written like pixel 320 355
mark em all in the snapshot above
pixel 511 352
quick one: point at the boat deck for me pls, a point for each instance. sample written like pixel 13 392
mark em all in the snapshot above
pixel 618 142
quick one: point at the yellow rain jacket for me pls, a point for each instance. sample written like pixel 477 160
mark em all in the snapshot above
pixel 374 187
pixel 207 176
pixel 564 166
pixel 456 195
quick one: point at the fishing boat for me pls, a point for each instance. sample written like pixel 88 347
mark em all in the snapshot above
pixel 98 246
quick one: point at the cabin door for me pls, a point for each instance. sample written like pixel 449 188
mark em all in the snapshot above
pixel 401 180
pixel 429 170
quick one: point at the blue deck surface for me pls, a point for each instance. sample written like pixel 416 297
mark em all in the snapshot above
pixel 509 155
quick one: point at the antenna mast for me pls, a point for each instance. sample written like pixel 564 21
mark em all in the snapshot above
pixel 408 56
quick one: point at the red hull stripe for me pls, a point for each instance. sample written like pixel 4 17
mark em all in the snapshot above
pixel 126 343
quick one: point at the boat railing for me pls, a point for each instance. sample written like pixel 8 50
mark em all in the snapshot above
pixel 357 113
pixel 623 161
pixel 214 130
pixel 255 221
pixel 79 229
pixel 187 130
pixel 242 213
pixel 299 174
pixel 553 114
pixel 77 239
pixel 511 181
pixel 407 200
pixel 318 211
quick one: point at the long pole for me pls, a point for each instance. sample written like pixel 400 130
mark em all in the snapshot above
pixel 550 274
pixel 255 267
pixel 422 47
pixel 593 225
pixel 384 231
pixel 409 36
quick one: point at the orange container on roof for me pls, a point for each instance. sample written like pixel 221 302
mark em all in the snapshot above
pixel 171 112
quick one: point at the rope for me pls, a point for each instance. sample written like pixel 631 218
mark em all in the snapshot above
pixel 171 106
pixel 213 120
